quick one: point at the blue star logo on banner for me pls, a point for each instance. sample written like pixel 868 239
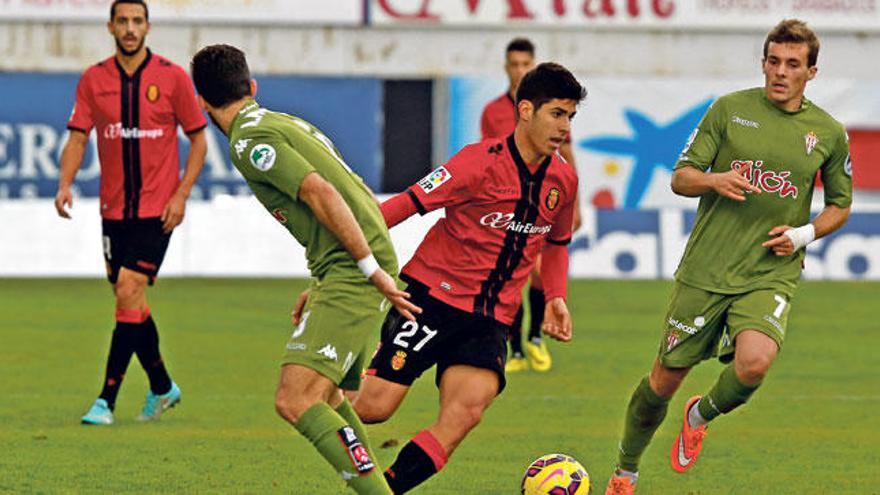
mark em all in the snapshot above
pixel 650 145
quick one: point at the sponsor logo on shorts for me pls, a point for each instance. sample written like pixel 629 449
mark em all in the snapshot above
pixel 773 321
pixel 683 327
pixel 329 352
pixel 434 180
pixel 262 157
pixel 299 346
pixel 356 451
pixel 398 361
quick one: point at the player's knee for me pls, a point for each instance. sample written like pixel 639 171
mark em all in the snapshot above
pixel 751 369
pixel 128 290
pixel 466 417
pixel 291 407
pixel 371 412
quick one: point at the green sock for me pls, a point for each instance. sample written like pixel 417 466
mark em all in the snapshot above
pixel 347 412
pixel 727 394
pixel 644 414
pixel 339 443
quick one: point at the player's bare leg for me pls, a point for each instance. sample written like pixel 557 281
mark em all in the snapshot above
pixel 316 408
pixel 645 413
pixel 465 393
pixel 378 399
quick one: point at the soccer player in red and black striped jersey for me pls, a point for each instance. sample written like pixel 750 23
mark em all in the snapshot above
pixel 508 200
pixel 135 100
pixel 499 120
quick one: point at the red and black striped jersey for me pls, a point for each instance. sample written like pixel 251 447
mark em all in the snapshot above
pixel 499 213
pixel 136 119
pixel 499 117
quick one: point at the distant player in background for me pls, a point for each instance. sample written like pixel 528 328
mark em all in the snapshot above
pixel 507 201
pixel 135 100
pixel 297 173
pixel 753 162
pixel 498 121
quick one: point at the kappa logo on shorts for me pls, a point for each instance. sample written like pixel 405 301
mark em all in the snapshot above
pixel 398 361
pixel 329 352
pixel 356 450
pixel 434 180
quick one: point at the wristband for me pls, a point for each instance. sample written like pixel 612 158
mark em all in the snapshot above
pixel 368 265
pixel 801 236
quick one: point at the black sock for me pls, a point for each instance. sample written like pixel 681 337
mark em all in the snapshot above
pixel 516 334
pixel 121 348
pixel 148 353
pixel 413 464
pixel 536 308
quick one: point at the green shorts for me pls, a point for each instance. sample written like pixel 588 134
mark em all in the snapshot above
pixel 701 324
pixel 337 321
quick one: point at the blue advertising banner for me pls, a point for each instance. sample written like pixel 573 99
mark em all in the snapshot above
pixel 33 131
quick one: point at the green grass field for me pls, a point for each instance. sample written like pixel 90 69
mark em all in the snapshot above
pixel 812 428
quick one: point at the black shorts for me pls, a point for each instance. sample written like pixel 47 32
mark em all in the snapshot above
pixel 138 245
pixel 442 335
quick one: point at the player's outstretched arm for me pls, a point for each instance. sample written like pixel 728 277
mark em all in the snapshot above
pixel 786 240
pixel 71 161
pixel 175 210
pixel 691 182
pixel 333 212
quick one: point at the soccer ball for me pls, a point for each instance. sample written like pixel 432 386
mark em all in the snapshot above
pixel 556 474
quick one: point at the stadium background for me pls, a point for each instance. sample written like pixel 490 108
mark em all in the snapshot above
pixel 399 85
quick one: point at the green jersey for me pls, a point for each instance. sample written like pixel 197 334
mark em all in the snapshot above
pixel 785 151
pixel 275 152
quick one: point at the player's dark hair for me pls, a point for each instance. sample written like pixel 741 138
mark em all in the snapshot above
pixel 794 31
pixel 221 74
pixel 521 45
pixel 136 2
pixel 548 81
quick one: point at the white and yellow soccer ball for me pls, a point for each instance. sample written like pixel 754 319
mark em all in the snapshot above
pixel 556 474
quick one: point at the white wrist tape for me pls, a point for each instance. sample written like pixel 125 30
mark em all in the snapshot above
pixel 801 236
pixel 368 265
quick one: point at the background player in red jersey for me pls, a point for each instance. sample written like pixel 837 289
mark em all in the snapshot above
pixel 507 201
pixel 135 100
pixel 498 121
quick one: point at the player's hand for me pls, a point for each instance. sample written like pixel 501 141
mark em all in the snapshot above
pixel 63 200
pixel 296 314
pixel 173 213
pixel 399 299
pixel 733 184
pixel 557 320
pixel 780 244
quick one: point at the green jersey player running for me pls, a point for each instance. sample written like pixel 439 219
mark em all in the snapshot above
pixel 753 162
pixel 300 177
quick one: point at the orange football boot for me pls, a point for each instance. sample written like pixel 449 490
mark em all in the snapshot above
pixel 688 443
pixel 620 485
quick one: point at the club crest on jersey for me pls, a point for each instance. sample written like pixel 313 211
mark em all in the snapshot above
pixel 552 199
pixel 152 93
pixel 262 157
pixel 811 140
pixel 435 179
pixel 398 360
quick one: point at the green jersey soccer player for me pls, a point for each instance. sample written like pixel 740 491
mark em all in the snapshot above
pixel 300 177
pixel 752 161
